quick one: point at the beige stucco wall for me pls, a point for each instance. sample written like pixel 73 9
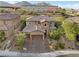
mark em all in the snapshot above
pixel 43 25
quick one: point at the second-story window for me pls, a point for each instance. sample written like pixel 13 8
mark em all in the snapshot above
pixel 45 24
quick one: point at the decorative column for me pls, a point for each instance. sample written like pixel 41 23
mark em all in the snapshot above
pixel 30 40
pixel 43 36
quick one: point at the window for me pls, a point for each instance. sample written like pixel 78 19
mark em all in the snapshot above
pixel 38 22
pixel 45 24
pixel 45 32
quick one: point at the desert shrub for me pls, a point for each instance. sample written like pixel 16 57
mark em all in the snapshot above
pixel 61 45
pixel 2 36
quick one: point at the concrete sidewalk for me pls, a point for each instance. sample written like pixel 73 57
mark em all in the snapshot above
pixel 48 54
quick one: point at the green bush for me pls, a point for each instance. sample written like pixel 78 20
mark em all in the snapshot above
pixel 55 34
pixel 61 45
pixel 69 30
pixel 2 36
pixel 58 24
pixel 23 22
pixel 20 39
pixel 65 27
pixel 59 18
pixel 76 27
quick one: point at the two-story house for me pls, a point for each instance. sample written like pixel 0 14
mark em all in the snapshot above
pixel 39 25
pixel 9 23
pixel 37 30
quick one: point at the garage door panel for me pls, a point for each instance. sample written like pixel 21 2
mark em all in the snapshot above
pixel 37 37
pixel 37 43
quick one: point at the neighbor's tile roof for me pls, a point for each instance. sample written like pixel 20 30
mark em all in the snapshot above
pixel 8 16
pixel 73 19
pixel 40 18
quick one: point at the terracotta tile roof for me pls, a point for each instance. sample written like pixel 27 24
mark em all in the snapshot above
pixel 41 18
pixel 8 16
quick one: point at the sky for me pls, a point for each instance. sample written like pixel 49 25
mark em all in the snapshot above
pixel 64 4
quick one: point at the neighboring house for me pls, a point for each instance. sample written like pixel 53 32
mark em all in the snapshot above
pixel 74 19
pixel 10 8
pixel 38 27
pixel 9 23
pixel 34 8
